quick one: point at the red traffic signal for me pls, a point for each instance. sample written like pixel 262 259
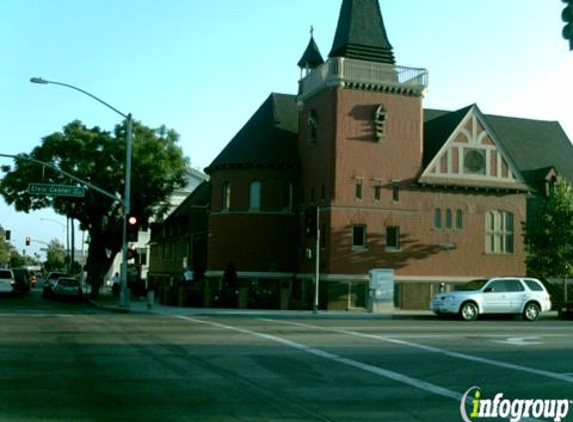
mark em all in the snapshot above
pixel 132 227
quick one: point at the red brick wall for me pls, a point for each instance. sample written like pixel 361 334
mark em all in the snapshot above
pixel 347 151
pixel 265 240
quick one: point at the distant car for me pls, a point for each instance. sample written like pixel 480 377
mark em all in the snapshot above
pixel 51 280
pixel 67 287
pixel 22 279
pixel 500 295
pixel 6 280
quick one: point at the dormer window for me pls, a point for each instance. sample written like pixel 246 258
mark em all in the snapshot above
pixel 312 123
pixel 380 117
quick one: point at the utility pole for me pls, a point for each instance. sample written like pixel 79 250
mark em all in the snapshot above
pixel 317 261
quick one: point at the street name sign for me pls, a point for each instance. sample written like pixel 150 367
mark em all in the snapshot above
pixel 56 190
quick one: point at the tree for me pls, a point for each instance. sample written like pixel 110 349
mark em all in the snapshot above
pixel 5 248
pixel 97 156
pixel 55 256
pixel 548 238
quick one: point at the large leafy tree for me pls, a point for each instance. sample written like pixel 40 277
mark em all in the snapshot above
pixel 98 157
pixel 549 237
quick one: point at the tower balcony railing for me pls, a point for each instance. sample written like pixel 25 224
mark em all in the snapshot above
pixel 352 73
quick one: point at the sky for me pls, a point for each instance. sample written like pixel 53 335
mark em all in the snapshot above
pixel 204 67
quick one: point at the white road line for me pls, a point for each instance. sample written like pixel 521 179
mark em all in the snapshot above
pixel 432 349
pixel 396 376
pixel 393 375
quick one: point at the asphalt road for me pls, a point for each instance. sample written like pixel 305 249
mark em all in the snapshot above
pixel 72 362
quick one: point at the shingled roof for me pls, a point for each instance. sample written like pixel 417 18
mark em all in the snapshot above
pixel 533 145
pixel 361 34
pixel 269 138
pixel 311 57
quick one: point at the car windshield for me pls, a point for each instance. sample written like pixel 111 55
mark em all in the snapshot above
pixel 5 274
pixel 471 286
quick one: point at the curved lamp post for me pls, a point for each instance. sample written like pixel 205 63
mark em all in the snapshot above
pixel 66 229
pixel 127 194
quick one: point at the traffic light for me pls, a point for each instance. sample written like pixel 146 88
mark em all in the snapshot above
pixel 28 241
pixel 567 16
pixel 7 234
pixel 310 222
pixel 133 227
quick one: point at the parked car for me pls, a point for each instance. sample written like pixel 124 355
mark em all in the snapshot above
pixel 500 295
pixel 6 280
pixel 50 281
pixel 22 279
pixel 67 287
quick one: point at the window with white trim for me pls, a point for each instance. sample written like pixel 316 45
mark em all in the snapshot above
pixel 380 117
pixel 392 238
pixel 359 237
pixel 499 232
pixel 358 188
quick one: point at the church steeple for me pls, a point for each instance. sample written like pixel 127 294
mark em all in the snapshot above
pixel 361 34
pixel 311 57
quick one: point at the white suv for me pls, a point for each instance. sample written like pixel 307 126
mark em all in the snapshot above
pixel 501 295
pixel 6 281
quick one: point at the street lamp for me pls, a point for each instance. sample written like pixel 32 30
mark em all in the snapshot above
pixel 66 230
pixel 124 299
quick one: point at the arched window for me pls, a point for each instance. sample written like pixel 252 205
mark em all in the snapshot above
pixel 459 219
pixel 225 196
pixel 312 126
pixel 380 117
pixel 438 218
pixel 255 196
pixel 448 219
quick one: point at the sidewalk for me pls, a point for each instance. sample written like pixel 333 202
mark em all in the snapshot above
pixel 140 306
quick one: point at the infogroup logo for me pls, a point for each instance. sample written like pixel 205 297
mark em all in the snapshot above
pixel 514 409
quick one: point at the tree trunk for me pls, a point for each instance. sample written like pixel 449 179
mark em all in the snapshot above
pixel 98 263
pixel 564 289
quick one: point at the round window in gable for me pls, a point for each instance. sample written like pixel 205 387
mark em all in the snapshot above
pixel 474 161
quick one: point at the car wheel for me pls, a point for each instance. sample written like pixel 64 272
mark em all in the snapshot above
pixel 531 312
pixel 469 311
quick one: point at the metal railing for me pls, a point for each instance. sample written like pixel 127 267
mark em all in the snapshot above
pixel 339 71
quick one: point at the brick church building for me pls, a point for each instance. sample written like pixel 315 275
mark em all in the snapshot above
pixel 439 197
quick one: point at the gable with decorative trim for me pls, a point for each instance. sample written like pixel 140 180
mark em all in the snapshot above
pixel 473 156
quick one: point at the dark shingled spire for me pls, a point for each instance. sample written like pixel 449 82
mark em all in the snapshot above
pixel 361 34
pixel 311 58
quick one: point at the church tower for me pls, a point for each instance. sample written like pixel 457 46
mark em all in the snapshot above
pixel 360 141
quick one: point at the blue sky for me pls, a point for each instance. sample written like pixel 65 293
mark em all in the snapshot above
pixel 204 67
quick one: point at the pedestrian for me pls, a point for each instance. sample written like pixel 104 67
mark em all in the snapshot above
pixel 188 275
